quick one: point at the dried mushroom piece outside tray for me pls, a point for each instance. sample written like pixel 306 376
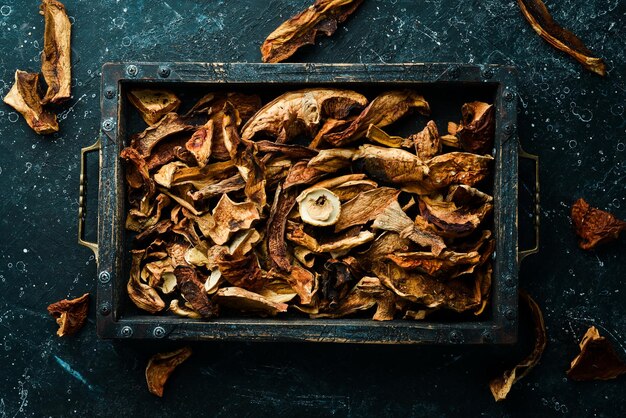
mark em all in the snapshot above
pixel 305 204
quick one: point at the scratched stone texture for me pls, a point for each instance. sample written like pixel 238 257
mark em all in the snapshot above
pixel 574 120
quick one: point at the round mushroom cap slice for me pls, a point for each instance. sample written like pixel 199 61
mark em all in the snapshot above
pixel 319 206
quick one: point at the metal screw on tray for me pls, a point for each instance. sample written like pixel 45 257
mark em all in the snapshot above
pixel 454 72
pixel 508 95
pixel 455 337
pixel 104 277
pixel 488 73
pixel 509 314
pixel 132 70
pixel 159 332
pixel 108 125
pixel 164 72
pixel 126 331
pixel 109 92
pixel 105 309
pixel 508 129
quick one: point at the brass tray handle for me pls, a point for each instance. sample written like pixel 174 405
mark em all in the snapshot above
pixel 537 208
pixel 81 199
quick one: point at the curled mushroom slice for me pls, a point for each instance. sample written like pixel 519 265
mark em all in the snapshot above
pixel 142 295
pixel 71 315
pixel 394 219
pixel 24 97
pixel 243 242
pixel 201 142
pixel 305 256
pixel 382 111
pixel 56 57
pixel 375 134
pixel 213 282
pixel 153 104
pixel 284 201
pixel 319 207
pixel 367 293
pixel 165 175
pixel 332 160
pixel 228 185
pixel 323 16
pixel 230 217
pixel 385 244
pixel 241 270
pixel 453 220
pixel 296 234
pixel 138 221
pixel 288 150
pixel 301 111
pixel 179 310
pixel 476 132
pixel 365 207
pixel 192 289
pixel 301 280
pixel 246 301
pixel 391 165
pixel 169 125
pixel 427 142
pixel 448 264
pixel 597 359
pixel 458 168
pixel 161 366
pixel 300 173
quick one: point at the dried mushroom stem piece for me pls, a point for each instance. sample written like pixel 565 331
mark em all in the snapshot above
pixel 594 226
pixel 597 359
pixel 382 111
pixel 56 57
pixel 319 207
pixel 323 16
pixel 244 300
pixel 501 386
pixel 537 14
pixel 183 311
pixel 200 143
pixel 160 367
pixel 375 134
pixel 71 315
pixel 24 97
pixel 301 111
pixel 153 104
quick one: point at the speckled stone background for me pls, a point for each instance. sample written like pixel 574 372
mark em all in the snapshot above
pixel 573 119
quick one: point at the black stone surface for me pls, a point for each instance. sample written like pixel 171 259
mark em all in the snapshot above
pixel 573 119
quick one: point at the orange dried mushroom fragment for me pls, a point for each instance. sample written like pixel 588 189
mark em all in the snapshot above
pixel 56 56
pixel 161 366
pixel 24 97
pixel 71 315
pixel 153 104
pixel 594 226
pixel 597 359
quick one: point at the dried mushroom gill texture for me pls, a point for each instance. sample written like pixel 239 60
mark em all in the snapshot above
pixel 594 226
pixel 56 57
pixel 305 204
pixel 501 386
pixel 323 16
pixel 24 97
pixel 71 315
pixel 597 359
pixel 539 18
pixel 161 366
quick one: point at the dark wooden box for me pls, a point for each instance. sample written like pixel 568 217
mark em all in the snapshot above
pixel 449 84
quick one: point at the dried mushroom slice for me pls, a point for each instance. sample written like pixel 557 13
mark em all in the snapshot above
pixel 594 226
pixel 179 310
pixel 301 111
pixel 341 245
pixel 394 219
pixel 230 217
pixel 448 264
pixel 56 56
pixel 458 168
pixel 454 221
pixel 201 142
pixel 24 97
pixel 382 111
pixel 301 280
pixel 138 221
pixel 161 366
pixel 169 125
pixel 377 135
pixel 71 315
pixel 501 386
pixel 365 207
pixel 293 151
pixel 367 293
pixel 597 359
pixel 332 160
pixel 301 29
pixel 455 295
pixel 301 174
pixel 246 301
pixel 537 14
pixel 192 289
pixel 391 165
pixel 143 296
pixel 241 270
pixel 153 104
pixel 318 206
pixel 284 201
pixel 228 185
pixel 427 143
pixel 476 132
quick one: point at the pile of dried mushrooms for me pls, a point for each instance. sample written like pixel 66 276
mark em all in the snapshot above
pixel 306 204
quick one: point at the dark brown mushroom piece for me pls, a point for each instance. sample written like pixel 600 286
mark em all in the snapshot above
pixel 161 366
pixel 192 289
pixel 594 226
pixel 71 315
pixel 153 104
pixel 56 57
pixel 24 97
pixel 597 359
pixel 476 132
